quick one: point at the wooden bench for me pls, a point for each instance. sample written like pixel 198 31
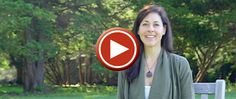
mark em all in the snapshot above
pixel 205 89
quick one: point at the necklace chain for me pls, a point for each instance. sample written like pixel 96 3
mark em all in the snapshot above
pixel 149 73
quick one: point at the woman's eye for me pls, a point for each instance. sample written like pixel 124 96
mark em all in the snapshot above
pixel 156 25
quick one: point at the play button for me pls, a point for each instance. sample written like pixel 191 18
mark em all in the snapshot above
pixel 117 49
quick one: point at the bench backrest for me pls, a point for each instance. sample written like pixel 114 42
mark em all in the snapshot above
pixel 217 88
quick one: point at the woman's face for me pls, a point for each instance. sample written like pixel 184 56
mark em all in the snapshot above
pixel 151 30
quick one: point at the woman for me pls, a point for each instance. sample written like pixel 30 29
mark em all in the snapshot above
pixel 157 73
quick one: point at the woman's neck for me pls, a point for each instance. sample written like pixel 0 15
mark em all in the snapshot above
pixel 151 53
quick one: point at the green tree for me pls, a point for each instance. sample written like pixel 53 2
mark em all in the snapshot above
pixel 25 34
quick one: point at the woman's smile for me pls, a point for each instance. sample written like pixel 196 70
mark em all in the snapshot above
pixel 150 37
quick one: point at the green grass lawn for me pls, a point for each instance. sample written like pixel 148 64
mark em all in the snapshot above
pixel 81 92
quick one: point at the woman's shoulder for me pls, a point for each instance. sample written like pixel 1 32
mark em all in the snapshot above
pixel 178 58
pixel 180 64
pixel 179 61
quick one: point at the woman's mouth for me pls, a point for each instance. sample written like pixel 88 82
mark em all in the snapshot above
pixel 150 36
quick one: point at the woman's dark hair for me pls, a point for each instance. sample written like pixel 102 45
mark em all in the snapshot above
pixel 166 41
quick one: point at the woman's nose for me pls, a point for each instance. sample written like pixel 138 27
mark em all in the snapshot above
pixel 151 29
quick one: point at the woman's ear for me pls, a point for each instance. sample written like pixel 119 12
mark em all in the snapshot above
pixel 164 30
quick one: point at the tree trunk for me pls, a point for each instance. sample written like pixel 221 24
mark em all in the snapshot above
pixel 19 75
pixel 200 75
pixel 40 70
pixel 81 76
pixel 68 72
pixel 89 72
pixel 65 72
pixel 29 76
pixel 205 60
pixel 18 63
pixel 33 70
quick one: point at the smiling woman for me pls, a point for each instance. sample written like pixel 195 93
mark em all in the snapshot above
pixel 157 73
pixel 151 30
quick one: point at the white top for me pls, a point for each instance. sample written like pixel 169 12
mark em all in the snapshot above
pixel 147 91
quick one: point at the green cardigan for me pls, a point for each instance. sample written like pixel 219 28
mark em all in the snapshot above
pixel 172 80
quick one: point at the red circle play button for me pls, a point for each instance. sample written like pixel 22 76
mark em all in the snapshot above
pixel 117 49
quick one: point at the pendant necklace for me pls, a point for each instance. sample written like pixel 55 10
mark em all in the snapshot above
pixel 149 73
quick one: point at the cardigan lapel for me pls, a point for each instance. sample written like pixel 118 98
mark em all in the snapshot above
pixel 161 82
pixel 137 86
pixel 142 79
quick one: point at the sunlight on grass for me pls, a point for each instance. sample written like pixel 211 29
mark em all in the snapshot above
pixel 7 89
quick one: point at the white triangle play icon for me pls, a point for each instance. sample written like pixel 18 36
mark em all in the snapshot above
pixel 116 49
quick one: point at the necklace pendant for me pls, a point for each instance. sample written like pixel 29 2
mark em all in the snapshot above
pixel 149 74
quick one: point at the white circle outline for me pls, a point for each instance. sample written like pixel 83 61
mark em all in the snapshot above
pixel 120 66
